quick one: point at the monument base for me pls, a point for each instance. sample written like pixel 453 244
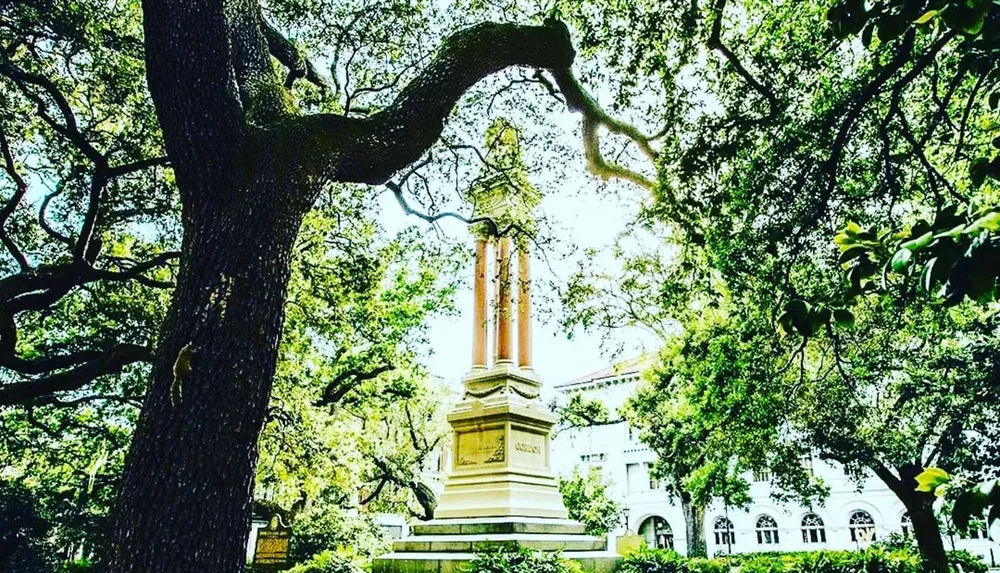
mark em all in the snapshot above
pixel 449 545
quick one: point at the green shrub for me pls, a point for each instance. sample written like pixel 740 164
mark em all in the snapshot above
pixel 962 560
pixel 340 561
pixel 763 564
pixel 24 532
pixel 668 561
pixel 703 565
pixel 517 559
pixel 648 560
pixel 877 559
pixel 322 528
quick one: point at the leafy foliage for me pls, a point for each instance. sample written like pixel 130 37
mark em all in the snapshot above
pixel 327 527
pixel 24 532
pixel 875 560
pixel 505 558
pixel 972 502
pixel 587 501
pixel 340 561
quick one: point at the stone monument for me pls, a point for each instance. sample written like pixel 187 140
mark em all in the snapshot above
pixel 501 489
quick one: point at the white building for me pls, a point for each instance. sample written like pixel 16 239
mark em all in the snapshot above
pixel 849 518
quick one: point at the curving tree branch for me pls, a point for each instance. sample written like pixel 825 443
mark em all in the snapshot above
pixel 715 43
pixel 111 361
pixel 371 150
pixel 285 51
pixel 20 189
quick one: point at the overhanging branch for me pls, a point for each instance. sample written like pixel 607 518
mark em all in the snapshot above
pixel 109 362
pixel 285 51
pixel 373 149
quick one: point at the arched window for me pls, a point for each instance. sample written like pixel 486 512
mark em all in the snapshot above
pixel 725 534
pixel 767 530
pixel 862 527
pixel 657 532
pixel 812 529
pixel 906 525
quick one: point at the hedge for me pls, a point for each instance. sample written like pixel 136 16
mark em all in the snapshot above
pixel 872 560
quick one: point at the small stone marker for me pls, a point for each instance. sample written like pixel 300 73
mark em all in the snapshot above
pixel 629 543
pixel 271 550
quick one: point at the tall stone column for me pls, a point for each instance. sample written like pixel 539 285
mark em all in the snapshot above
pixel 479 311
pixel 494 327
pixel 505 338
pixel 524 308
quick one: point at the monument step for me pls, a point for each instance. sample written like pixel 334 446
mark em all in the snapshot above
pixel 590 562
pixel 474 543
pixel 483 525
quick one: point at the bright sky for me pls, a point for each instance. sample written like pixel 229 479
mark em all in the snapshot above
pixel 587 219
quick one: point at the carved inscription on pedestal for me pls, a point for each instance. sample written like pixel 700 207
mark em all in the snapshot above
pixel 529 448
pixel 482 447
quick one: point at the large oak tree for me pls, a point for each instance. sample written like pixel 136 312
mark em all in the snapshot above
pixel 248 165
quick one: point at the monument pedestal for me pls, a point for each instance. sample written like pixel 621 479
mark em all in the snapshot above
pixel 501 490
pixel 449 545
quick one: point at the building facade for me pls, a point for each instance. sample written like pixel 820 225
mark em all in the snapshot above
pixel 853 516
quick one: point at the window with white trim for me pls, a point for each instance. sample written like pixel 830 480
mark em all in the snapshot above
pixel 813 530
pixel 862 527
pixel 767 530
pixel 654 482
pixel 725 534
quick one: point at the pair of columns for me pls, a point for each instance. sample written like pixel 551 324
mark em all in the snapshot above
pixel 505 308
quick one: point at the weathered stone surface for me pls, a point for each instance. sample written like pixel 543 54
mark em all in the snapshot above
pixel 591 562
pixel 474 543
pixel 502 490
pixel 498 525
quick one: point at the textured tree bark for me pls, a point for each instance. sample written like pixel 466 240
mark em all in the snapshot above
pixel 919 505
pixel 248 171
pixel 928 533
pixel 186 496
pixel 694 527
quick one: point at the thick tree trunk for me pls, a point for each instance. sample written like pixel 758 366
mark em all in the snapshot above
pixel 193 459
pixel 927 531
pixel 694 527
pixel 919 505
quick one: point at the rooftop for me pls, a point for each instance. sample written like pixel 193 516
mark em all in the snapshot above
pixel 620 369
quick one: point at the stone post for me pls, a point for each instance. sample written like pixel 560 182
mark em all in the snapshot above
pixel 505 342
pixel 479 311
pixel 524 308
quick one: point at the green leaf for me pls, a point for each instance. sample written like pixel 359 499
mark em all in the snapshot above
pixel 989 221
pixel 978 170
pixel 927 275
pixel 951 233
pixel 971 503
pixel 866 35
pixel 927 17
pixel 852 252
pixel 931 478
pixel 901 259
pixel 890 27
pixel 920 242
pixel 844 318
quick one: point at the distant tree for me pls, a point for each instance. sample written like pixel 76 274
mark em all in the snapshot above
pixel 587 500
pixel 790 120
